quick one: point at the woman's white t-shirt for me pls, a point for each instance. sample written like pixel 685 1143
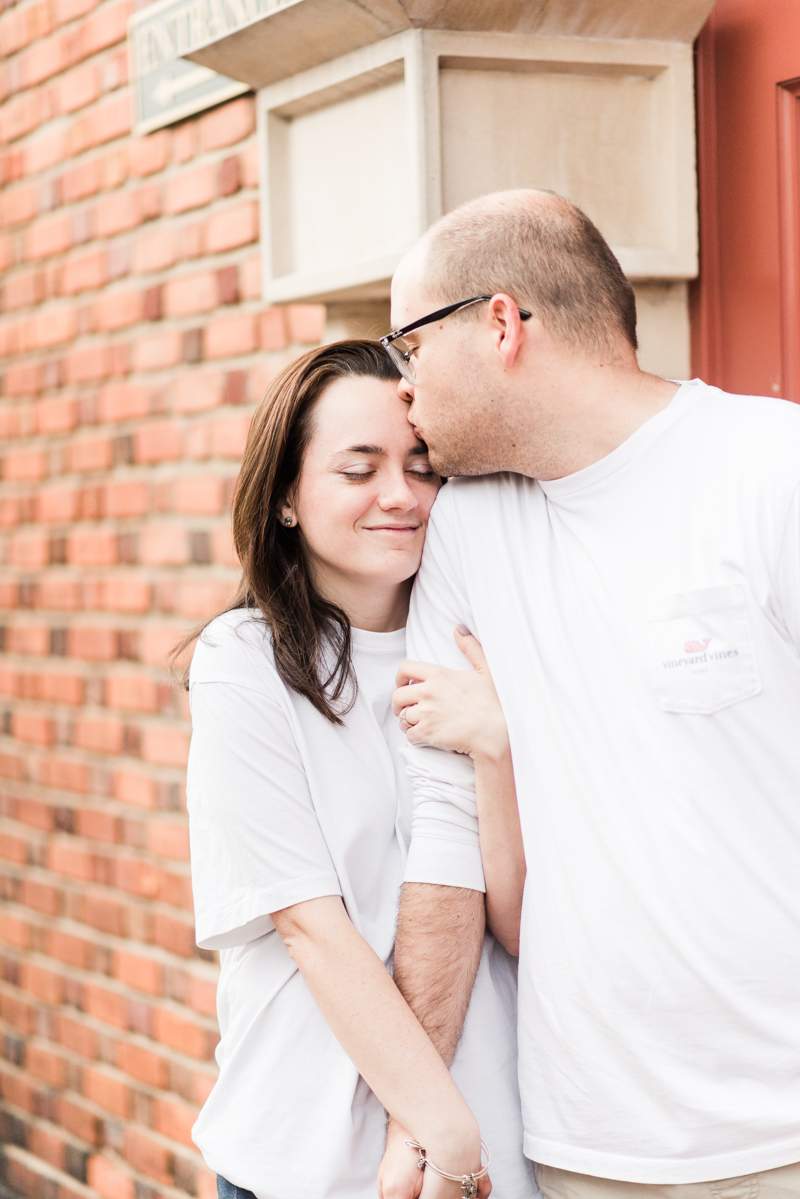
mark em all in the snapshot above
pixel 284 807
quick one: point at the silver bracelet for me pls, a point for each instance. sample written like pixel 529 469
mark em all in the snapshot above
pixel 469 1182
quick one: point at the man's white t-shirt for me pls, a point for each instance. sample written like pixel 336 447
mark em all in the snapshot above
pixel 286 807
pixel 641 619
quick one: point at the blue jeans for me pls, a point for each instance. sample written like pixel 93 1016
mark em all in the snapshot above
pixel 227 1190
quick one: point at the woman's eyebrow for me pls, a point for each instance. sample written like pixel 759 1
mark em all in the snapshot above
pixel 363 449
pixel 419 449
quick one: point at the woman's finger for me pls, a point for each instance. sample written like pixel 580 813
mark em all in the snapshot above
pixel 404 697
pixel 471 648
pixel 409 671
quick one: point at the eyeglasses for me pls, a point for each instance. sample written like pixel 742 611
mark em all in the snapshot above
pixel 401 354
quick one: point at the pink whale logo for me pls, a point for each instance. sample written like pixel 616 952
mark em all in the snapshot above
pixel 696 647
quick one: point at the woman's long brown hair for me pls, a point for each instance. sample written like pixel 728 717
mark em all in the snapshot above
pixel 310 635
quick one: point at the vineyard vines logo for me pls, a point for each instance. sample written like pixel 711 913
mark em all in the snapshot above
pixel 698 654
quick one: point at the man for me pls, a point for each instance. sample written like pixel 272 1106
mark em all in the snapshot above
pixel 635 582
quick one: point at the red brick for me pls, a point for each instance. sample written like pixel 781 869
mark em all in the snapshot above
pixel 56 415
pixel 85 366
pixel 64 775
pixel 28 639
pixel 71 861
pixel 92 644
pixel 132 693
pixel 77 1037
pixel 109 1179
pixel 105 27
pixel 59 594
pixel 175 1121
pixel 155 251
pixel 137 789
pixel 191 189
pixel 112 119
pixel 18 206
pixel 29 549
pixel 100 736
pixel 104 914
pixel 92 549
pixel 41 897
pixel 117 213
pixel 77 1119
pixel 226 338
pixel 84 273
pixel 250 278
pixel 24 465
pixel 96 825
pixel 234 226
pixel 197 495
pixel 195 392
pixel 45 1145
pixel 123 593
pixel 202 996
pixel 37 815
pixel 158 442
pixel 48 236
pixel 23 290
pixel 306 322
pixel 23 380
pixel 81 181
pixel 73 951
pixel 164 545
pixel 12 930
pixel 31 727
pixel 119 310
pixel 170 840
pixel 190 294
pixel 148 1156
pixel 45 1065
pixel 106 1006
pixel 159 352
pixel 228 124
pixel 228 436
pixel 138 878
pixel 149 154
pixel 44 984
pixel 92 454
pixel 143 974
pixel 164 746
pixel 60 688
pixel 78 88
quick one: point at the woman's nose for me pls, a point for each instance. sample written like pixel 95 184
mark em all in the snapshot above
pixel 398 494
pixel 405 390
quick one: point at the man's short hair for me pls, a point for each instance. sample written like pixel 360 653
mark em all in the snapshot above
pixel 545 253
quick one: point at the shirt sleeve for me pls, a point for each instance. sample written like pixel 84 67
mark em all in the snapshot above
pixel 256 843
pixel 445 846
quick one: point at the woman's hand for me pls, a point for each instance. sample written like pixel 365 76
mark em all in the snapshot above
pixel 453 709
pixel 400 1177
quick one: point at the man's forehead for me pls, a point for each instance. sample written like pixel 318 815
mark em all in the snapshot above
pixel 410 298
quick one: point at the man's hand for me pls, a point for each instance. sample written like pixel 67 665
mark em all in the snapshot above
pixel 399 1176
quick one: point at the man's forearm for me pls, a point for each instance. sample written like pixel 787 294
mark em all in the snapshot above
pixel 438 948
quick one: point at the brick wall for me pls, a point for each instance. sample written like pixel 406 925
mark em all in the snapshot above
pixel 133 346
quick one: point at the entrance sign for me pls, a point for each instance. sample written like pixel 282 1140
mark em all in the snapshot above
pixel 166 86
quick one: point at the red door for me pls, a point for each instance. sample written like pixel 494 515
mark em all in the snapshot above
pixel 746 303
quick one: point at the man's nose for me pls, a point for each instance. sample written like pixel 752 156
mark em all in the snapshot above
pixel 406 390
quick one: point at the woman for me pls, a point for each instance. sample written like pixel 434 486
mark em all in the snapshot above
pixel 300 817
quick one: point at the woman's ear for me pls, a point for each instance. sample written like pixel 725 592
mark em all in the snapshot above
pixel 287 515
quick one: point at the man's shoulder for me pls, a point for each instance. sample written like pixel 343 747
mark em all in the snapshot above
pixel 758 435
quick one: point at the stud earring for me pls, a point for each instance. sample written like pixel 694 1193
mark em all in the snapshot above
pixel 287 520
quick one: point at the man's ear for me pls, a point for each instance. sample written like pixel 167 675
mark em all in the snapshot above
pixel 508 329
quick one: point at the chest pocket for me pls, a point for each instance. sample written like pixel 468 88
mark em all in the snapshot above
pixel 700 649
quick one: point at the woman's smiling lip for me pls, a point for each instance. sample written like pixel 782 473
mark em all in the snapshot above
pixel 392 528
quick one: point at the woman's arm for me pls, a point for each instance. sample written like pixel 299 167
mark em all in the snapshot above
pixel 460 711
pixel 385 1041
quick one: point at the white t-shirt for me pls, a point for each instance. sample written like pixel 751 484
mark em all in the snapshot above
pixel 641 619
pixel 285 807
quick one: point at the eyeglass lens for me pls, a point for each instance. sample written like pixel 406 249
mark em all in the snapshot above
pixel 399 354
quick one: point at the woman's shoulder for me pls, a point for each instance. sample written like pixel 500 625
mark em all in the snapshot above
pixel 236 647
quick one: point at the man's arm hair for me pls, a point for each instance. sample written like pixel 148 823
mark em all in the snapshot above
pixel 439 942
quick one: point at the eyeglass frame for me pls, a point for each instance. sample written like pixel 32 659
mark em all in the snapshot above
pixel 440 314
